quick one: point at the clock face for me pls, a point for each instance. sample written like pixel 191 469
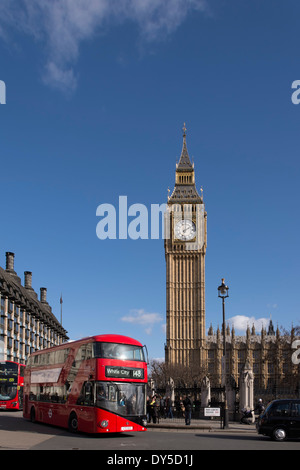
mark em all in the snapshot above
pixel 185 230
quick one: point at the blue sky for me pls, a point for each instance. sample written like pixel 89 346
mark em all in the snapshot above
pixel 96 96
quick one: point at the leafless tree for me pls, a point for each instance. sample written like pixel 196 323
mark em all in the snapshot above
pixel 183 376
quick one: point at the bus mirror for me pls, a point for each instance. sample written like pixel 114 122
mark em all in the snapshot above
pixel 146 350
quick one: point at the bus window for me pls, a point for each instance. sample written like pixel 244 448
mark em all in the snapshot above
pixel 86 397
pixel 119 351
pixel 8 392
pixel 8 380
pixel 123 398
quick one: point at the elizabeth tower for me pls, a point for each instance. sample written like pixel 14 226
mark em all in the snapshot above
pixel 185 247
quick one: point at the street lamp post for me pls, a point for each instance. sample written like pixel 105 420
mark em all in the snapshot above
pixel 223 294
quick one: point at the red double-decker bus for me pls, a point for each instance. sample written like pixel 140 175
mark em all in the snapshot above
pixel 94 385
pixel 11 385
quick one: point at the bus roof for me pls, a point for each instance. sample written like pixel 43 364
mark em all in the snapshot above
pixel 117 339
pixel 108 338
pixel 12 362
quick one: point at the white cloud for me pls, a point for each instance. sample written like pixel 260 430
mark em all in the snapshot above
pixel 62 25
pixel 241 322
pixel 63 79
pixel 140 317
pixel 158 359
pixel 272 305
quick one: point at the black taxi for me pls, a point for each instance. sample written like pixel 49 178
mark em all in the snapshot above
pixel 280 420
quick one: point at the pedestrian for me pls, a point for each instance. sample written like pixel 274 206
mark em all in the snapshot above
pixel 148 410
pixel 197 404
pixel 178 407
pixel 162 407
pixel 169 410
pixel 187 410
pixel 259 407
pixel 153 410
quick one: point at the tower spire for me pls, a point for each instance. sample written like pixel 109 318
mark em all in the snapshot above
pixel 184 161
pixel 185 190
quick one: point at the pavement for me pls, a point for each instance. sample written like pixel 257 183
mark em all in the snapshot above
pixel 200 425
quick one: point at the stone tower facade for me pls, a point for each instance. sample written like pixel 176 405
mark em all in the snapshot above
pixel 185 247
pixel 268 353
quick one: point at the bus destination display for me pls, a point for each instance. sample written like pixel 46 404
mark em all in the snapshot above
pixel 124 372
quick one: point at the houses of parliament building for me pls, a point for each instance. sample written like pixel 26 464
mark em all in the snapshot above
pixel 267 352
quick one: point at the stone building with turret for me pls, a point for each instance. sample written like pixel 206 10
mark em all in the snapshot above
pixel 268 353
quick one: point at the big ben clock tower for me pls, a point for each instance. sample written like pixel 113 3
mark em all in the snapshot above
pixel 185 247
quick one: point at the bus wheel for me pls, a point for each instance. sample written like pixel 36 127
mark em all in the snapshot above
pixel 32 415
pixel 73 423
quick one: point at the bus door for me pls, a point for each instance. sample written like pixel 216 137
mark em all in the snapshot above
pixel 86 402
pixel 20 396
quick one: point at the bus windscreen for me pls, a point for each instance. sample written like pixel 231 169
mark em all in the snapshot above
pixel 126 352
pixel 8 380
pixel 125 399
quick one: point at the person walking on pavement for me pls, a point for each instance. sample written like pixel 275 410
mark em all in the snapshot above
pixel 153 409
pixel 187 410
pixel 162 407
pixel 169 408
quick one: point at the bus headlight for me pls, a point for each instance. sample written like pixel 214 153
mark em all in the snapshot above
pixel 144 423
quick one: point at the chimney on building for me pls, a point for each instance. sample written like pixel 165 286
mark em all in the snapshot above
pixel 43 296
pixel 10 266
pixel 28 280
pixel 10 261
pixel 28 283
